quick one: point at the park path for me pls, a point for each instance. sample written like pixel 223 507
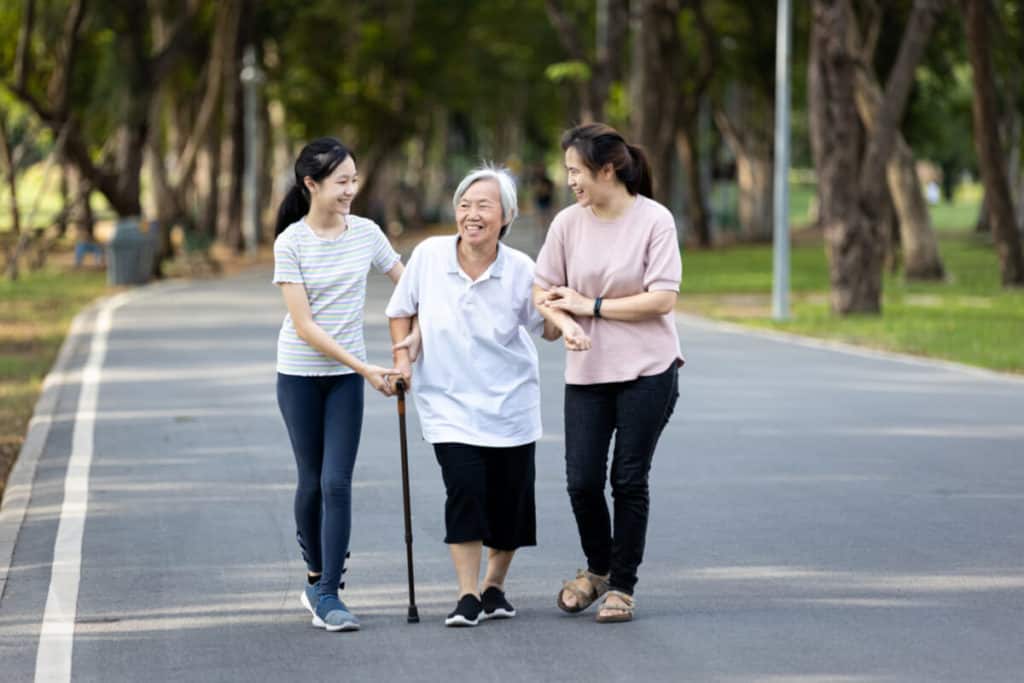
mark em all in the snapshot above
pixel 816 515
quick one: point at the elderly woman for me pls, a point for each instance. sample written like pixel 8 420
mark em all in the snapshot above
pixel 477 388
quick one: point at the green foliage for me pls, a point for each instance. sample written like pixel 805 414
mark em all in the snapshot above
pixel 571 71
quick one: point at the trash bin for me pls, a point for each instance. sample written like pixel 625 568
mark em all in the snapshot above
pixel 129 254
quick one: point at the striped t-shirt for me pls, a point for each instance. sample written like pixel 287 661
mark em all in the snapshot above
pixel 334 274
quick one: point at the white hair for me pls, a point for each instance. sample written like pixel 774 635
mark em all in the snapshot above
pixel 506 191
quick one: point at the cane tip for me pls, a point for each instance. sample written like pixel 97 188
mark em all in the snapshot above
pixel 414 617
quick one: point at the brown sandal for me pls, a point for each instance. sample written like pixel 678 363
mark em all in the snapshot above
pixel 586 587
pixel 611 614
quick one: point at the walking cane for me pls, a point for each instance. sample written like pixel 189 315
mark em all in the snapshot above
pixel 414 616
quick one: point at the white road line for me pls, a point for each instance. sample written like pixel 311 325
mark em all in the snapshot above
pixel 56 639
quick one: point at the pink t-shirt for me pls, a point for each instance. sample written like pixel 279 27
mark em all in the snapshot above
pixel 637 252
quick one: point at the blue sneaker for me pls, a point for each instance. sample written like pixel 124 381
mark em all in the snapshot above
pixel 309 597
pixel 331 614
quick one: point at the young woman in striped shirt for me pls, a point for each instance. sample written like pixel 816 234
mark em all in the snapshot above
pixel 322 256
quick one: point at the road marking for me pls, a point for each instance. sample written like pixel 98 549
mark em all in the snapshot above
pixel 56 639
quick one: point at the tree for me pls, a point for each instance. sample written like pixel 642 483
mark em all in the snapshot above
pixel 920 247
pixel 665 119
pixel 119 97
pixel 596 70
pixel 988 144
pixel 851 186
pixel 744 109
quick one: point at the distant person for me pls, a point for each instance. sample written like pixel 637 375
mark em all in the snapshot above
pixel 322 256
pixel 543 191
pixel 86 244
pixel 608 277
pixel 477 385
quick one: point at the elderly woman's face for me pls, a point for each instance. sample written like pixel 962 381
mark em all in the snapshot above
pixel 478 213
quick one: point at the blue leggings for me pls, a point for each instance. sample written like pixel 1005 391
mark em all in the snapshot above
pixel 324 416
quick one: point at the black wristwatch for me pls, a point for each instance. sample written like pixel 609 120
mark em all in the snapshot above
pixel 597 307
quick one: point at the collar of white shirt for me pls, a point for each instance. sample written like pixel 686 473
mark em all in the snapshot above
pixel 494 270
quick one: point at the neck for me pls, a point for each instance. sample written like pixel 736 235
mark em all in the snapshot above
pixel 618 202
pixel 326 221
pixel 483 254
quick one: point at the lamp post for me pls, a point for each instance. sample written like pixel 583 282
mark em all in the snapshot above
pixel 780 233
pixel 252 81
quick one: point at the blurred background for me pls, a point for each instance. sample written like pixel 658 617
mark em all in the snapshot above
pixel 154 138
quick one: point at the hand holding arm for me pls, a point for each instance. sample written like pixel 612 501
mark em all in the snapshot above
pixel 630 308
pixel 575 338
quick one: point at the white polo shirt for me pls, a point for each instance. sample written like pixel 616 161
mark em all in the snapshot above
pixel 477 380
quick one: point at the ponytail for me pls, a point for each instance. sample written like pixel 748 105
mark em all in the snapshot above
pixel 293 207
pixel 638 179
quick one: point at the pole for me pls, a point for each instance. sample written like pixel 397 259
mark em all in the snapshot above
pixel 780 238
pixel 252 80
pixel 414 616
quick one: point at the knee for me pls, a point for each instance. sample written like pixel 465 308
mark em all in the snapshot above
pixel 578 484
pixel 625 485
pixel 308 487
pixel 336 487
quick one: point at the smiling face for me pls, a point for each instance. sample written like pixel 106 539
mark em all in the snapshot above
pixel 586 185
pixel 334 194
pixel 478 214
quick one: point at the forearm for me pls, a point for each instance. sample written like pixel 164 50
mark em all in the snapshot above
pixel 553 318
pixel 638 306
pixel 314 335
pixel 551 330
pixel 400 329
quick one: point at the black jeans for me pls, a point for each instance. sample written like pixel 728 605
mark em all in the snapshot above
pixel 636 411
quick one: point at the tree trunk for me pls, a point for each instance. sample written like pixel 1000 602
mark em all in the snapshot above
pixel 921 260
pixel 12 189
pixel 746 126
pixel 697 211
pixel 991 157
pixel 654 122
pixel 612 21
pixel 852 189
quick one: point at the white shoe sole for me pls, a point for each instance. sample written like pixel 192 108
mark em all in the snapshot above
pixel 320 623
pixel 499 613
pixel 346 626
pixel 459 620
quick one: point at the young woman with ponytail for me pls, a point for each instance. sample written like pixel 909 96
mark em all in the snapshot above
pixel 322 256
pixel 608 277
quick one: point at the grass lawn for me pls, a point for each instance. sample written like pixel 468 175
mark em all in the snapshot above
pixel 969 318
pixel 35 313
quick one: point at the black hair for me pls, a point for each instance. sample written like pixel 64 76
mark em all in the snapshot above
pixel 599 144
pixel 317 160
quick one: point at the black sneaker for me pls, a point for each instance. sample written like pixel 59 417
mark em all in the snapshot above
pixel 466 613
pixel 495 605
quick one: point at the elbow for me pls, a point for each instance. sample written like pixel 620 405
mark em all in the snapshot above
pixel 303 329
pixel 667 303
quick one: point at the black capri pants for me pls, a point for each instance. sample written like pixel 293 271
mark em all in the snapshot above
pixel 490 495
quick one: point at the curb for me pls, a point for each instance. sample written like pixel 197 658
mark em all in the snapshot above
pixel 847 348
pixel 19 485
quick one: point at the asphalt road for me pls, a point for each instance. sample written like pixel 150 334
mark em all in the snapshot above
pixel 817 515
